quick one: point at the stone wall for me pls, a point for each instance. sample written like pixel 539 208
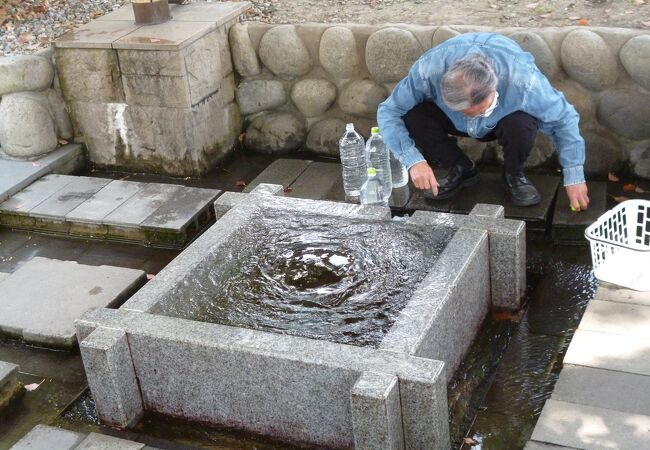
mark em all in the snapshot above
pixel 33 116
pixel 301 83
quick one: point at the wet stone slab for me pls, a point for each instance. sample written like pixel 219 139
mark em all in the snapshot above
pixel 43 437
pixel 60 292
pixel 490 191
pixel 68 198
pixel 569 226
pixel 282 171
pixel 316 182
pixel 104 202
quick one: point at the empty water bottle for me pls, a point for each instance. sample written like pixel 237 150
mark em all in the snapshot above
pixel 398 173
pixel 377 156
pixel 372 191
pixel 353 161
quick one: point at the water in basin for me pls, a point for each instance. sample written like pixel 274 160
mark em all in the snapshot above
pixel 315 276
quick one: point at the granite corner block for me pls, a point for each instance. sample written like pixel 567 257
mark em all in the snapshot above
pixel 425 412
pixel 111 376
pixel 487 210
pixel 376 412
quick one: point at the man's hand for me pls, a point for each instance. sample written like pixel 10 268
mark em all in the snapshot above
pixel 423 177
pixel 577 194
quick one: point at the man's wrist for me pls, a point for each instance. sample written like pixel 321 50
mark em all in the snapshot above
pixel 573 175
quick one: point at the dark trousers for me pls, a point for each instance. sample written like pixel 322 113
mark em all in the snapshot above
pixel 433 133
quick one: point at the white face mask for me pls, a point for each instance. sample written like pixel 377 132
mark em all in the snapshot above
pixel 492 106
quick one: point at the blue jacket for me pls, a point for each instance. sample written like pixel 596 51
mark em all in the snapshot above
pixel 521 87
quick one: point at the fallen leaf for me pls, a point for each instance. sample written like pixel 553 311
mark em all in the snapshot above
pixel 639 190
pixel 611 176
pixel 647 24
pixel 33 386
pixel 583 22
pixel 469 441
pixel 620 199
pixel 35 164
pixel 150 276
pixel 574 18
pixel 630 187
pixel 532 5
pixel 242 136
pixel 638 2
pixel 288 189
pixel 240 183
pixel 546 15
pixel 62 141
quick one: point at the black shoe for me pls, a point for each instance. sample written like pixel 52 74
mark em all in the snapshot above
pixel 456 179
pixel 521 190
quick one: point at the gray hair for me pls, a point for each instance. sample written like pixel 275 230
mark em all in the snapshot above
pixel 468 82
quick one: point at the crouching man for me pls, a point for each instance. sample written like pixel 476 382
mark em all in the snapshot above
pixel 483 86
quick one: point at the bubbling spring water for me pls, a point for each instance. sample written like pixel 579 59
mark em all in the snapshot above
pixel 315 276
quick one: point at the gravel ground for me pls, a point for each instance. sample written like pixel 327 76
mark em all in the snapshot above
pixel 28 25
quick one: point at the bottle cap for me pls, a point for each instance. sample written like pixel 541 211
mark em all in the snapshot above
pixel 349 126
pixel 372 171
pixel 374 130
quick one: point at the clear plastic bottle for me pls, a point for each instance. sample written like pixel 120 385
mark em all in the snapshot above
pixel 372 191
pixel 398 173
pixel 378 156
pixel 353 161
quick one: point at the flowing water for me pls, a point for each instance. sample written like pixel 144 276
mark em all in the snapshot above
pixel 315 276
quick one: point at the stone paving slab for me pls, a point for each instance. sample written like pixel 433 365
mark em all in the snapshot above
pixel 586 427
pixel 181 208
pixel 95 441
pixel 3 276
pixel 316 181
pixel 42 299
pixel 609 351
pixel 35 194
pixel 142 204
pixel 534 445
pixel 490 191
pixel 16 175
pixel 613 293
pixel 104 202
pixel 68 198
pixel 569 226
pixel 617 318
pixel 281 171
pixel 600 388
pixel 43 437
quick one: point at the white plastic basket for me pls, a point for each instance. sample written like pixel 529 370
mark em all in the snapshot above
pixel 620 245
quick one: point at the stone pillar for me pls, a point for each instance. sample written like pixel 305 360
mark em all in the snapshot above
pixel 376 412
pixel 111 377
pixel 155 98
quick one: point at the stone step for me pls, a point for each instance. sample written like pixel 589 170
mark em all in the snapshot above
pixel 569 226
pixel 490 191
pixel 612 293
pixel 281 171
pixel 617 318
pixel 590 428
pixel 42 299
pixel 601 388
pixel 44 437
pixel 9 384
pixel 16 175
pixel 610 352
pixel 157 214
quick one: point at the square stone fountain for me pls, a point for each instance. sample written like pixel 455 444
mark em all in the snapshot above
pixel 314 322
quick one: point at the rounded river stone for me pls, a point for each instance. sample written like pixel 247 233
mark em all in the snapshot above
pixel 243 52
pixel 313 96
pixel 588 60
pixel 284 53
pixel 635 56
pixel 25 73
pixel 390 53
pixel 324 136
pixel 534 44
pixel 626 111
pixel 579 97
pixel 27 127
pixel 279 132
pixel 442 34
pixel 602 153
pixel 361 98
pixel 641 167
pixel 260 95
pixel 338 52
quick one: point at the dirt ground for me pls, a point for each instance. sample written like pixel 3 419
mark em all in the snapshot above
pixel 521 13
